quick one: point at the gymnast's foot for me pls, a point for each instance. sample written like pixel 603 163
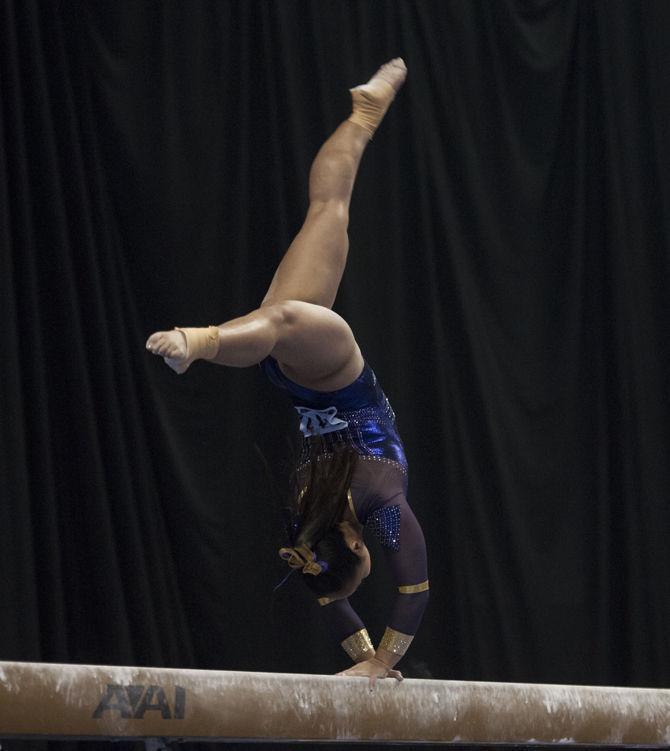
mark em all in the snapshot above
pixel 172 347
pixel 372 99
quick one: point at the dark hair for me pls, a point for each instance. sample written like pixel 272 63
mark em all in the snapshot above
pixel 320 506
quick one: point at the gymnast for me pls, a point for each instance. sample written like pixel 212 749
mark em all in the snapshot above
pixel 353 472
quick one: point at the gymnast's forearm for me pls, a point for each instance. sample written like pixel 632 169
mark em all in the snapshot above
pixel 407 614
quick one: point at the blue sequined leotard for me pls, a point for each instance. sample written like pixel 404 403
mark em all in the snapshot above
pixel 358 414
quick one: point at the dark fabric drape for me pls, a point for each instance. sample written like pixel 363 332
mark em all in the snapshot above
pixel 508 281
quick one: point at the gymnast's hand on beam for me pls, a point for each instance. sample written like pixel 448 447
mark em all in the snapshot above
pixel 373 669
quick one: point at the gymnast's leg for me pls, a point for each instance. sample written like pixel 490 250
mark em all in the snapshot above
pixel 295 323
pixel 312 267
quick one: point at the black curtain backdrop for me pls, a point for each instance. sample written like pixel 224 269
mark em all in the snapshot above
pixel 508 280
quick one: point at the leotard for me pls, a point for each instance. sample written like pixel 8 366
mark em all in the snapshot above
pixel 360 415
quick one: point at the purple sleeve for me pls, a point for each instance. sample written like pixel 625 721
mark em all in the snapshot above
pixel 342 619
pixel 379 495
pixel 409 567
pixel 389 517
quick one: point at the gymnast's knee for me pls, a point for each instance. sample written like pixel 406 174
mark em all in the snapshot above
pixel 293 317
pixel 282 314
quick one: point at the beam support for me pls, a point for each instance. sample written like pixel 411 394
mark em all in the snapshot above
pixel 49 701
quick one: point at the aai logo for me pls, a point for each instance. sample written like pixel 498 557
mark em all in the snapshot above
pixel 133 702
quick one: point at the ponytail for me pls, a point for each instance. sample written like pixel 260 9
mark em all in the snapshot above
pixel 319 508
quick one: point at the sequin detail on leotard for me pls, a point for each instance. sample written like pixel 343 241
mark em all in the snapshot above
pixel 363 457
pixel 384 523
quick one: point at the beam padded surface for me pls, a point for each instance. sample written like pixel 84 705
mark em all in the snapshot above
pixel 92 701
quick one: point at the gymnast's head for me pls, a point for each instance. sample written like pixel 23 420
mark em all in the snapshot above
pixel 327 542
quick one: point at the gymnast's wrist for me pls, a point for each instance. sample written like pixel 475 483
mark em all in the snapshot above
pixel 393 646
pixel 359 646
pixel 387 659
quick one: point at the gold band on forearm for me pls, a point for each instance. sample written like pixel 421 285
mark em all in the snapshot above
pixel 395 642
pixel 411 589
pixel 358 646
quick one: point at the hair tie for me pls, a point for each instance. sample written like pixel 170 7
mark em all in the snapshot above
pixel 304 558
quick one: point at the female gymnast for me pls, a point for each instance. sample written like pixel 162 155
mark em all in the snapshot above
pixel 353 471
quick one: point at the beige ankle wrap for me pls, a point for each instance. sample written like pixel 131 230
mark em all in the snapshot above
pixel 201 344
pixel 370 102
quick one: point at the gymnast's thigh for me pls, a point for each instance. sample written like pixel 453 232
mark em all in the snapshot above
pixel 316 347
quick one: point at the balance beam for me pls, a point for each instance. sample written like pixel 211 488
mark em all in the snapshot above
pixel 49 701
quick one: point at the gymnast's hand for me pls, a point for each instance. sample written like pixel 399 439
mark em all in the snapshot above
pixel 373 669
